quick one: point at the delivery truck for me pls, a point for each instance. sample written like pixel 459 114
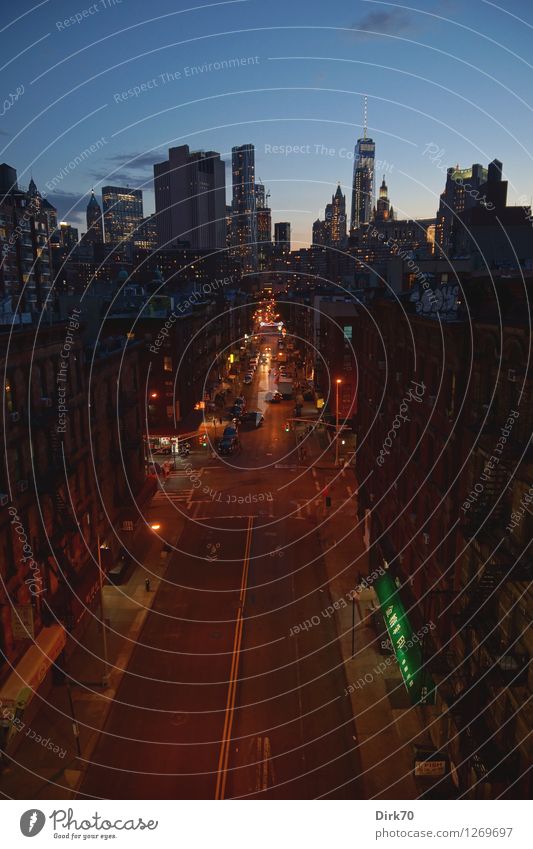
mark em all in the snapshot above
pixel 285 387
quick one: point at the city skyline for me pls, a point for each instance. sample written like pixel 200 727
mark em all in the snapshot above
pixel 266 319
pixel 324 139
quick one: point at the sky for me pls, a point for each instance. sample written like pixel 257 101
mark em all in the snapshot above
pixel 447 83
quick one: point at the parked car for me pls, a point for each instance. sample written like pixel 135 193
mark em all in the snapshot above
pixel 117 575
pixel 254 418
pixel 230 430
pixel 248 378
pixel 228 445
pixel 273 397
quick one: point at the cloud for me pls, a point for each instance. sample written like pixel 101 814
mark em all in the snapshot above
pixel 392 21
pixel 138 160
pixel 132 169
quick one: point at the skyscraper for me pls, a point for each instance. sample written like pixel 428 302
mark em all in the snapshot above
pixel 95 227
pixel 384 211
pixel 337 223
pixel 363 178
pixel 461 192
pixel 264 226
pixel 190 199
pixel 282 236
pixel 244 231
pixel 123 212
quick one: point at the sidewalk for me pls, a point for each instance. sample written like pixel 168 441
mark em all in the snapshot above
pixel 384 719
pixel 44 761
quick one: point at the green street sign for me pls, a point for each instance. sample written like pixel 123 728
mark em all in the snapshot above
pixel 405 644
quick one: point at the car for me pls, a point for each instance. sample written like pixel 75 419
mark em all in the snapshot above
pixel 236 412
pixel 247 378
pixel 273 397
pixel 230 430
pixel 254 418
pixel 228 445
pixel 117 574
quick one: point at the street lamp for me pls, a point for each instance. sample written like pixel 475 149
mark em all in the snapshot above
pixel 105 676
pixel 339 381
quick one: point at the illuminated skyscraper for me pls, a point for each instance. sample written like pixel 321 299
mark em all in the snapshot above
pixel 123 212
pixel 337 224
pixel 384 211
pixel 461 192
pixel 363 179
pixel 95 227
pixel 244 224
pixel 264 226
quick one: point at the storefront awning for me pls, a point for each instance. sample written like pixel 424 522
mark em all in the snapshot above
pixel 31 670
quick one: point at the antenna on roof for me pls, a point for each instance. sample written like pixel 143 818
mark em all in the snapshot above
pixel 365 116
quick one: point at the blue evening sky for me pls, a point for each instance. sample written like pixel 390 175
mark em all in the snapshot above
pixel 457 75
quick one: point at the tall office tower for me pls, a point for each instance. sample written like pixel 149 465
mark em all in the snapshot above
pixel 69 235
pixel 229 225
pixel 123 212
pixel 190 199
pixel 264 226
pixel 363 178
pixel 384 211
pixel 95 227
pixel 282 236
pixel 244 230
pixel 145 237
pixel 337 223
pixel 320 232
pixel 461 192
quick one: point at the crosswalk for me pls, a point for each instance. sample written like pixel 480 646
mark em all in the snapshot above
pixel 305 508
pixel 183 495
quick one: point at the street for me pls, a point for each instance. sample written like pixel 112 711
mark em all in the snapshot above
pixel 225 696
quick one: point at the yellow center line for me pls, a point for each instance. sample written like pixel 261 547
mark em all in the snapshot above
pixel 233 677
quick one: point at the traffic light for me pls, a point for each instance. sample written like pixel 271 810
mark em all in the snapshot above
pixel 287 427
pixel 203 440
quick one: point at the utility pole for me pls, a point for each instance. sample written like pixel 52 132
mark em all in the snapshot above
pixel 105 676
pixel 337 423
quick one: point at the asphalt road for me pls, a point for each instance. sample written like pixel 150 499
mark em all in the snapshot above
pixel 221 698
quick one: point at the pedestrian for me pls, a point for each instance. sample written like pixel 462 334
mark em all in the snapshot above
pixel 147 585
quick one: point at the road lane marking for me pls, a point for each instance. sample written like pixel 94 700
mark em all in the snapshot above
pixel 223 760
pixel 263 764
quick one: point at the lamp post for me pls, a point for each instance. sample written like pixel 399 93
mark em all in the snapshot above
pixel 339 381
pixel 105 676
